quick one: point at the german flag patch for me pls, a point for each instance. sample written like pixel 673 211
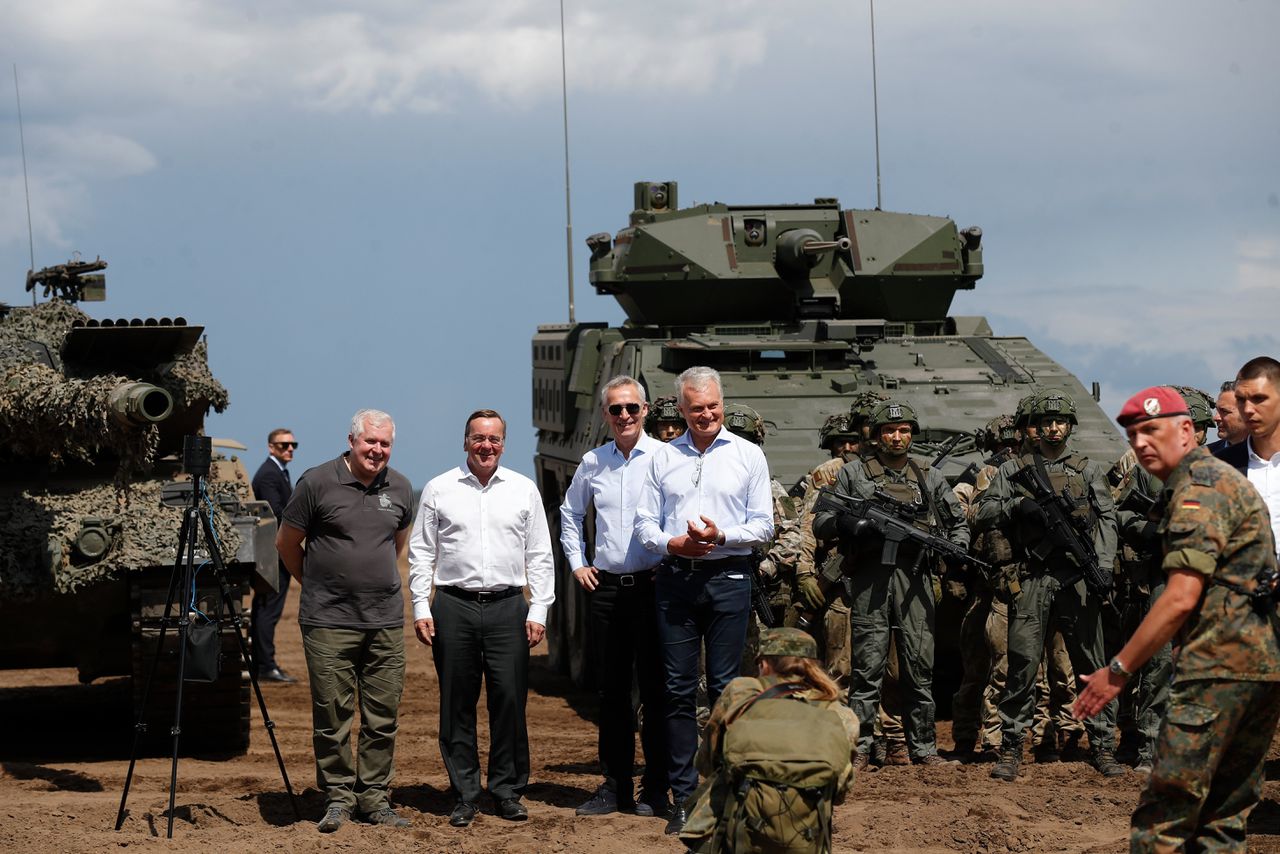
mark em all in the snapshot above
pixel 1189 504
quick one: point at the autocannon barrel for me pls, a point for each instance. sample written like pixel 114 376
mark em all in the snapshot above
pixel 139 403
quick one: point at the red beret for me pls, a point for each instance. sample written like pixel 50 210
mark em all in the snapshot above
pixel 1159 401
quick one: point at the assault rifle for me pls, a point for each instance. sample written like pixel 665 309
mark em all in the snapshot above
pixel 1060 533
pixel 895 521
pixel 760 601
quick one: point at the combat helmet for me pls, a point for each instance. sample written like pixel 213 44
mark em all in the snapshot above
pixel 1054 402
pixel 742 420
pixel 860 408
pixel 999 431
pixel 837 428
pixel 893 412
pixel 663 409
pixel 787 641
pixel 1199 404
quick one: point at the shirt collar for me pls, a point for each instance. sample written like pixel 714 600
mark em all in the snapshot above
pixel 644 445
pixel 345 474
pixel 1254 459
pixel 466 473
pixel 723 437
pixel 278 463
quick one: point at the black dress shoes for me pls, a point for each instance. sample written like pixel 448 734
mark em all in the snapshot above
pixel 463 814
pixel 275 674
pixel 512 810
pixel 679 815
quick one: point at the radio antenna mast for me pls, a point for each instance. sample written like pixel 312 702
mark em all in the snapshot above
pixel 22 143
pixel 875 100
pixel 568 209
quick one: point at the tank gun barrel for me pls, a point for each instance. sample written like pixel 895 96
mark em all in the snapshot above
pixel 139 403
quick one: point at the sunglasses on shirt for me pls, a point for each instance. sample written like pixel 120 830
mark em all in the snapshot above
pixel 632 409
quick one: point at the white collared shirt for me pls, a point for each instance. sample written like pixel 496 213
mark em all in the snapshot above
pixel 1265 477
pixel 481 538
pixel 728 483
pixel 614 482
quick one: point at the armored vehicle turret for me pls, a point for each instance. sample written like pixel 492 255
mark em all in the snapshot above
pixel 92 417
pixel 800 307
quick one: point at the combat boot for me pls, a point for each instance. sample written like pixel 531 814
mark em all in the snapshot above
pixel 897 754
pixel 880 751
pixel 1010 761
pixel 1047 749
pixel 1105 761
pixel 861 761
pixel 1071 750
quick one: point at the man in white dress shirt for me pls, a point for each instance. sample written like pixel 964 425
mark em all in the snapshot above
pixel 481 535
pixel 704 507
pixel 618 581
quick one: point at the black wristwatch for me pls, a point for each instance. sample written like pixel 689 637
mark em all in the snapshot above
pixel 1118 669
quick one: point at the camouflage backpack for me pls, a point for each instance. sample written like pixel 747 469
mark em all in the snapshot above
pixel 783 761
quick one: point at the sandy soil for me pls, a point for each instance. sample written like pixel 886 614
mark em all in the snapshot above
pixel 64 763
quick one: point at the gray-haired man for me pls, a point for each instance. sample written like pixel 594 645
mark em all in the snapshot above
pixel 354 513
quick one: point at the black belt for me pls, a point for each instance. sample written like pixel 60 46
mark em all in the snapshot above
pixel 625 579
pixel 481 595
pixel 700 565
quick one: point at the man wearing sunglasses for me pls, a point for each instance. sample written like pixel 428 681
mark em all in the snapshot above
pixel 271 484
pixel 705 505
pixel 618 581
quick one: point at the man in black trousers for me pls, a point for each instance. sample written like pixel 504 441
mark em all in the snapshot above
pixel 271 484
pixel 480 537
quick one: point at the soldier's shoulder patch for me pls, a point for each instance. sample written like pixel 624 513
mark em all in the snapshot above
pixel 1189 504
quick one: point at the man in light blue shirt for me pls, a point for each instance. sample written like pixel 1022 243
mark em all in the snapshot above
pixel 705 506
pixel 622 624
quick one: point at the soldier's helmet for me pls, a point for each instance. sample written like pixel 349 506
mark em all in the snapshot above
pixel 663 409
pixel 861 407
pixel 893 412
pixel 786 641
pixel 1199 404
pixel 999 431
pixel 1022 414
pixel 837 428
pixel 744 421
pixel 1054 403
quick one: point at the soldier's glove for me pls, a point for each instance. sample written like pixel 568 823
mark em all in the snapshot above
pixel 1145 534
pixel 1027 510
pixel 956 589
pixel 809 593
pixel 851 527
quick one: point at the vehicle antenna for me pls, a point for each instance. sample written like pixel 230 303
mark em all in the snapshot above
pixel 875 100
pixel 22 142
pixel 568 209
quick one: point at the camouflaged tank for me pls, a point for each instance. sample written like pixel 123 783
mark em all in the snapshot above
pixel 800 307
pixel 92 417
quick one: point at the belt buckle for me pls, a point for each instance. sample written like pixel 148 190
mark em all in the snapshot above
pixel 483 596
pixel 626 581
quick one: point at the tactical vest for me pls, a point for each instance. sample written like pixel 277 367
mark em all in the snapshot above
pixel 912 490
pixel 1069 475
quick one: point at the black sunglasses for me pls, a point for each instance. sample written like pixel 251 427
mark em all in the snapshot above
pixel 632 409
pixel 284 445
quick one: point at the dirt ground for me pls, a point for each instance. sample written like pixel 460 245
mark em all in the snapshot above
pixel 64 763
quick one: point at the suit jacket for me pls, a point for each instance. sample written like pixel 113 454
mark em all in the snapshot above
pixel 1235 455
pixel 271 486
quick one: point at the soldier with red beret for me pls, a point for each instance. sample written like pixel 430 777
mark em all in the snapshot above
pixel 1219 603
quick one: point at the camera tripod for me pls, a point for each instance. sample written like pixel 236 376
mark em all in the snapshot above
pixel 197 455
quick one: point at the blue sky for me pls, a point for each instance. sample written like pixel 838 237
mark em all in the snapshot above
pixel 364 203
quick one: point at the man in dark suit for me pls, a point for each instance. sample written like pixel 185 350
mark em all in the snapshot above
pixel 272 485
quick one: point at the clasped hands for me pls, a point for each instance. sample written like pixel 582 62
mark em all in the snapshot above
pixel 699 541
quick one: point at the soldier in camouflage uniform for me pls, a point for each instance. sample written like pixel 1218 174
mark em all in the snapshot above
pixel 983 632
pixel 664 421
pixel 1219 552
pixel 778 563
pixel 896 599
pixel 1042 599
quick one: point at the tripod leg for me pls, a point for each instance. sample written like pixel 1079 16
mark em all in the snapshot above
pixel 186 534
pixel 184 623
pixel 225 586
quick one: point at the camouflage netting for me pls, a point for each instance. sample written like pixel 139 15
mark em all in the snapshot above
pixel 42 414
pixel 47 323
pixel 191 383
pixel 36 530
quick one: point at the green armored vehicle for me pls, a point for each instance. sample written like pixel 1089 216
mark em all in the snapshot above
pixel 800 307
pixel 92 417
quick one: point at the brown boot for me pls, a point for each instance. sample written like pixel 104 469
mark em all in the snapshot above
pixel 861 761
pixel 897 754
